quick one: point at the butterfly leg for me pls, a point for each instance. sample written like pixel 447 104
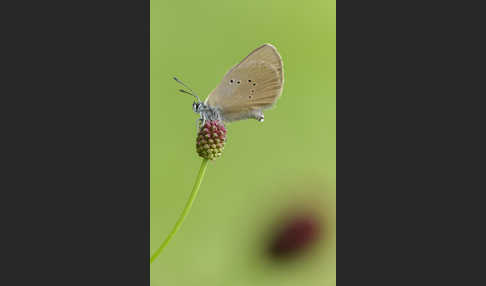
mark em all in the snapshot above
pixel 199 123
pixel 203 121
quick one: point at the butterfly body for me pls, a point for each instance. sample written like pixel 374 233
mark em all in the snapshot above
pixel 207 112
pixel 247 89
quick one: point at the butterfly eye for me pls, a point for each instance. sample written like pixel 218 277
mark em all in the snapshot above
pixel 195 107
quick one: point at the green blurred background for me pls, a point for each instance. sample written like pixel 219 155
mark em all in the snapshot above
pixel 286 163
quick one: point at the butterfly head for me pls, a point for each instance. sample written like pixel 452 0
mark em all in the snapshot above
pixel 196 106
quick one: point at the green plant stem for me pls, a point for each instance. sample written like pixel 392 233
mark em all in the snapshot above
pixel 186 210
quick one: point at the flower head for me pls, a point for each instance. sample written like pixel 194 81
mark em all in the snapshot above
pixel 210 139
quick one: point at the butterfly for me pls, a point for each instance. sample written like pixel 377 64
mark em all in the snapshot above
pixel 248 88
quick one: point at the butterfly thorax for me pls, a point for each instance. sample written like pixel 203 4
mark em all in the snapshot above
pixel 206 112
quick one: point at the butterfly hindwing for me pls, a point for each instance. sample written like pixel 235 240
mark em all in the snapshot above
pixel 250 87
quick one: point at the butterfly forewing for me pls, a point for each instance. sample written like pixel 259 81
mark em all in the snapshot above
pixel 249 87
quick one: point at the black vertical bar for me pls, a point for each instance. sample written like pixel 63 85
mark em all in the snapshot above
pixel 75 190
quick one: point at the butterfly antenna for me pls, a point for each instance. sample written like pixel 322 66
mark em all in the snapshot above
pixel 187 92
pixel 190 92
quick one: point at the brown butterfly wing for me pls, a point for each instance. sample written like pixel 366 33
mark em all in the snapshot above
pixel 250 87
